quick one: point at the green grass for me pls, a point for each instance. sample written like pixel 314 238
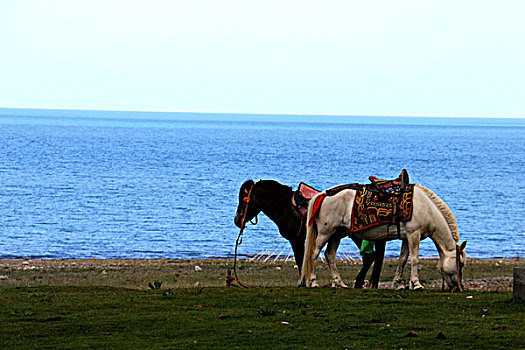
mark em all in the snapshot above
pixel 104 304
pixel 63 317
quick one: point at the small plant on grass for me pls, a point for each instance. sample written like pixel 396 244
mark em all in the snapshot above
pixel 167 294
pixel 155 285
pixel 266 312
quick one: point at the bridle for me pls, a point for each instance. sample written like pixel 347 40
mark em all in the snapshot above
pixel 247 199
pixel 459 273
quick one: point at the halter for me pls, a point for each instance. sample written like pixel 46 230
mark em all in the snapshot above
pixel 246 201
pixel 459 274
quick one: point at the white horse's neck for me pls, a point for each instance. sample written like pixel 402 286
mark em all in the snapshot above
pixel 444 233
pixel 445 212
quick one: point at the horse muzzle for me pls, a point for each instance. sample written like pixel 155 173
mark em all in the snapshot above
pixel 458 288
pixel 454 288
pixel 237 220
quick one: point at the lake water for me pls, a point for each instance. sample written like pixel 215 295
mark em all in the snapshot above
pixel 83 184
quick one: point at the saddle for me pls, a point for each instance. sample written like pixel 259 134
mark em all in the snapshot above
pixel 378 203
pixel 388 187
pixel 302 197
pixel 392 187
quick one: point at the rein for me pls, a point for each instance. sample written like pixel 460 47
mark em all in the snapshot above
pixel 230 279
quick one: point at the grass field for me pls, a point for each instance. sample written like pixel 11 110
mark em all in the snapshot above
pixel 108 304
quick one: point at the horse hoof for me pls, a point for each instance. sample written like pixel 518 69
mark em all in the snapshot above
pixel 416 286
pixel 301 284
pixel 314 285
pixel 398 285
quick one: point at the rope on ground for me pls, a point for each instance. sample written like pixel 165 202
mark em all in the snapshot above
pixel 232 279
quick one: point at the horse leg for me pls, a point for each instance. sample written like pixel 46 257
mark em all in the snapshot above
pixel 403 257
pixel 330 254
pixel 311 281
pixel 320 242
pixel 378 264
pixel 413 246
pixel 298 252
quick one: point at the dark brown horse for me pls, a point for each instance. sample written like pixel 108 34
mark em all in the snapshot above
pixel 275 200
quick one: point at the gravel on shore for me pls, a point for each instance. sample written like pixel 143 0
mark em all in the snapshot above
pixel 18 272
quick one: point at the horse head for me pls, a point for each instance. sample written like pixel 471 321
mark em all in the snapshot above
pixel 247 208
pixel 452 272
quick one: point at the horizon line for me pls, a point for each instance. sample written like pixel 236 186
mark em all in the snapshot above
pixel 271 113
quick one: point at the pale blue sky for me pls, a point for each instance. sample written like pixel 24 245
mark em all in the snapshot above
pixel 444 58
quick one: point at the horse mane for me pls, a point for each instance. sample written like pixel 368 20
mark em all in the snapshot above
pixel 445 211
pixel 274 186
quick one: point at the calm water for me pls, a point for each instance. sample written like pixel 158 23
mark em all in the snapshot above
pixel 132 185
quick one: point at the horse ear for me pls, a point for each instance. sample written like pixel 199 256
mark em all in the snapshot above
pixel 245 187
pixel 463 245
pixel 248 183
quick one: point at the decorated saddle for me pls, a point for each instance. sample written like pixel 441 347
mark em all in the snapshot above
pixel 378 203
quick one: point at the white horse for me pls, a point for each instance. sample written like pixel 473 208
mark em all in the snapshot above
pixel 431 217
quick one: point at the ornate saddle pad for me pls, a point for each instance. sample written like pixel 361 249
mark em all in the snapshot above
pixel 381 202
pixel 373 208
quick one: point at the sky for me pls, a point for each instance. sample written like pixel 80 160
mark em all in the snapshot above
pixel 402 58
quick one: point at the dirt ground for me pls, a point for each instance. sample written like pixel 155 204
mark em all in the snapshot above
pixel 480 274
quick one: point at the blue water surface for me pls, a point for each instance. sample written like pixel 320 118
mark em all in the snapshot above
pixel 85 184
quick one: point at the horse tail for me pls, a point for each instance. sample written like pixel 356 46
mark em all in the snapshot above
pixel 445 211
pixel 311 237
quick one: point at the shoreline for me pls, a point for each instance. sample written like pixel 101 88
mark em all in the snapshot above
pixel 270 256
pixel 479 274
